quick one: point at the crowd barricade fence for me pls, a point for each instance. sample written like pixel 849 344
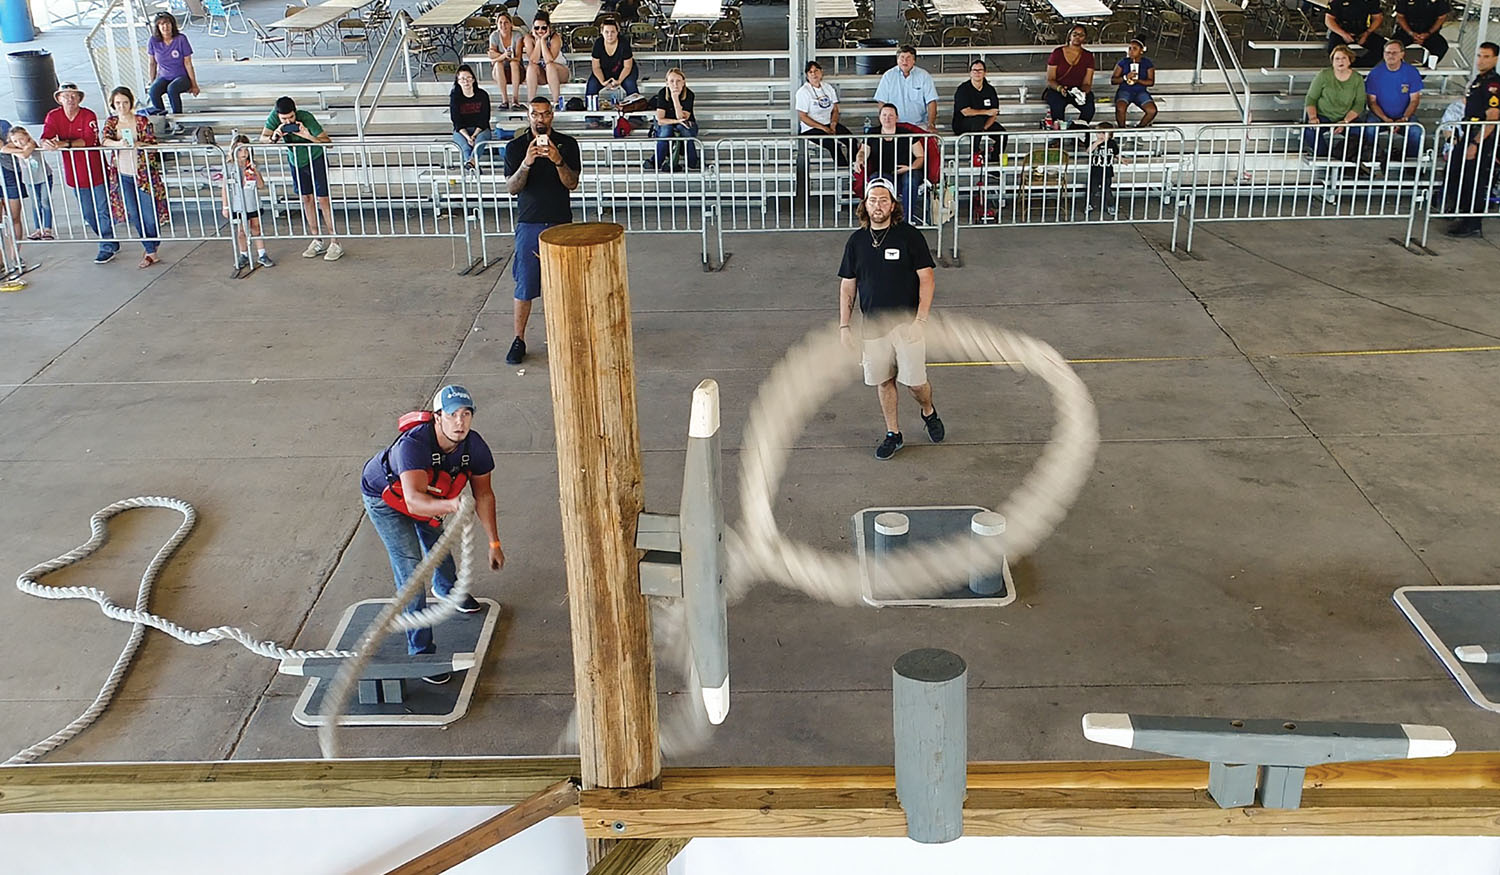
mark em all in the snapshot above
pixel 1463 188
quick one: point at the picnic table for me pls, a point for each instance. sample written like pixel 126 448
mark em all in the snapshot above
pixel 449 13
pixel 1080 8
pixel 576 12
pixel 696 10
pixel 836 9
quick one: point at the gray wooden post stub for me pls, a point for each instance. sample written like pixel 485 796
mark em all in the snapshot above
pixel 930 705
pixel 891 529
pixel 986 525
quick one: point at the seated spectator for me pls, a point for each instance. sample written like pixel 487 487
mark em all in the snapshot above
pixel 1336 98
pixel 469 108
pixel 26 166
pixel 1134 74
pixel 545 61
pixel 1420 23
pixel 613 62
pixel 1356 23
pixel 171 66
pixel 674 119
pixel 1070 77
pixel 73 128
pixel 505 60
pixel 137 193
pixel 910 89
pixel 897 158
pixel 976 109
pixel 1394 90
pixel 818 113
pixel 242 204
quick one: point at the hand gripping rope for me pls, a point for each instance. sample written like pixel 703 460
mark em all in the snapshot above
pixel 389 620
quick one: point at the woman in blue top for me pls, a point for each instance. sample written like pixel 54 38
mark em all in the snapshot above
pixel 1134 74
pixel 171 67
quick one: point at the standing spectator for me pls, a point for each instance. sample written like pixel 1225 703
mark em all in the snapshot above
pixel 242 204
pixel 301 133
pixel 976 109
pixel 674 118
pixel 171 66
pixel 911 90
pixel 1356 23
pixel 818 113
pixel 72 126
pixel 30 168
pixel 1070 77
pixel 1336 98
pixel 545 61
pixel 1135 74
pixel 888 267
pixel 613 63
pixel 10 169
pixel 1420 22
pixel 899 159
pixel 1104 156
pixel 1394 90
pixel 541 168
pixel 505 59
pixel 1471 168
pixel 137 193
pixel 469 108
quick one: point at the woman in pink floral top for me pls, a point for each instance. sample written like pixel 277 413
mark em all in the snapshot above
pixel 135 186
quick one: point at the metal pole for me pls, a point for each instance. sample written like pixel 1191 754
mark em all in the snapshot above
pixel 1202 34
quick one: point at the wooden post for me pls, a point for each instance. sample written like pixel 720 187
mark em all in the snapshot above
pixel 930 699
pixel 590 355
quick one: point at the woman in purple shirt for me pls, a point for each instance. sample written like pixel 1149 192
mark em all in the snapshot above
pixel 171 71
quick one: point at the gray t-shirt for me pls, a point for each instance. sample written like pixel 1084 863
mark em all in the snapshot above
pixel 499 46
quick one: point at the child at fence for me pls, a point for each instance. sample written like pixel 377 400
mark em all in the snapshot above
pixel 1104 155
pixel 36 176
pixel 242 204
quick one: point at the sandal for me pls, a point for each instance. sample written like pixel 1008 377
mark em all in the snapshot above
pixel 36 235
pixel 147 260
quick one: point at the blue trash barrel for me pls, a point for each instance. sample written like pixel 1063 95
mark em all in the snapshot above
pixel 33 81
pixel 15 22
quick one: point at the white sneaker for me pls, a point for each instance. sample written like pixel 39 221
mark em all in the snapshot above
pixel 335 252
pixel 314 249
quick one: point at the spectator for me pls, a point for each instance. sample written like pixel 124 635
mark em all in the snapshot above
pixel 910 89
pixel 1104 156
pixel 976 109
pixel 818 113
pixel 898 159
pixel 31 169
pixel 1336 98
pixel 1471 167
pixel 1070 77
pixel 674 118
pixel 301 133
pixel 1135 74
pixel 137 193
pixel 505 59
pixel 1394 90
pixel 242 204
pixel 171 66
pixel 545 61
pixel 1356 23
pixel 74 127
pixel 1420 22
pixel 469 108
pixel 9 170
pixel 612 61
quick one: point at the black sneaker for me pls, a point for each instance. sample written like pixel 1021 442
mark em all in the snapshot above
pixel 889 446
pixel 517 352
pixel 1465 228
pixel 470 605
pixel 935 430
pixel 441 677
pixel 105 257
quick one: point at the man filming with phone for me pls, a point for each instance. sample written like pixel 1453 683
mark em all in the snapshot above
pixel 301 133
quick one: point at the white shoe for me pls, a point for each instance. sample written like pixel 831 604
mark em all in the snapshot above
pixel 335 252
pixel 314 249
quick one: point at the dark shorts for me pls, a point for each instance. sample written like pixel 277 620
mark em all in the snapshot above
pixel 526 264
pixel 11 183
pixel 313 178
pixel 1136 94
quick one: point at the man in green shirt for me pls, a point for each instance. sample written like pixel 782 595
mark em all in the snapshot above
pixel 300 131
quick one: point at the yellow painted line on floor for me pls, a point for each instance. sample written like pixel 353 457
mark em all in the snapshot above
pixel 1337 353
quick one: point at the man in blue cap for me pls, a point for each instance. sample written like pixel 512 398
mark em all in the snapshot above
pixel 412 484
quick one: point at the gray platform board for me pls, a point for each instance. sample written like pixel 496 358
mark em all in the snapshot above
pixel 425 704
pixel 1453 616
pixel 927 524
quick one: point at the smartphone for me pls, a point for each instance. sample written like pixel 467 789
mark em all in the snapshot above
pixel 542 140
pixel 289 128
pixel 127 136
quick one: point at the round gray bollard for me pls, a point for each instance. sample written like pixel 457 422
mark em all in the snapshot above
pixel 985 525
pixel 891 529
pixel 930 703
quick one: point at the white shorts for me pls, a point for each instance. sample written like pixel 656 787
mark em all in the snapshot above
pixel 893 355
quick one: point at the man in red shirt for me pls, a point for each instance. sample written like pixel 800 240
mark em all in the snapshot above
pixel 71 126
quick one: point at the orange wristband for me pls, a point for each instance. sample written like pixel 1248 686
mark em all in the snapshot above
pixel 494 545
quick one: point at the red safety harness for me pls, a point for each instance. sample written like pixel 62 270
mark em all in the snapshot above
pixel 442 482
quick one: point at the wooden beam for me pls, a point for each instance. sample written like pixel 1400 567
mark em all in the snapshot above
pixel 555 799
pixel 638 856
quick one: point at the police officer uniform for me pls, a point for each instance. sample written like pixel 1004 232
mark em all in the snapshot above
pixel 1469 180
pixel 1354 16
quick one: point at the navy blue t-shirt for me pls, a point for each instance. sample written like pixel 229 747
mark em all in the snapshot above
pixel 414 451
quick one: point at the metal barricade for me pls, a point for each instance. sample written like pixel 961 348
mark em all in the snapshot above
pixel 1301 171
pixel 1463 187
pixel 1066 177
pixel 495 205
pixel 656 186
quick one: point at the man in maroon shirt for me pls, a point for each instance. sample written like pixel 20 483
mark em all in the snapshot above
pixel 71 126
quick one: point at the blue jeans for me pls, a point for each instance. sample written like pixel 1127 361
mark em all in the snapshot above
pixel 406 542
pixel 463 144
pixel 94 203
pixel 173 89
pixel 631 84
pixel 663 133
pixel 140 210
pixel 41 204
pixel 1413 134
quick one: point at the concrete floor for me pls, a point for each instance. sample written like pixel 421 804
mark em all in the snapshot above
pixel 1234 552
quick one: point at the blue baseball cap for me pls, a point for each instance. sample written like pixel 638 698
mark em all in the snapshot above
pixel 451 399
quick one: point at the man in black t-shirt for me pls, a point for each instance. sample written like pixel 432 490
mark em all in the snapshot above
pixel 976 109
pixel 888 267
pixel 1356 23
pixel 1472 171
pixel 541 167
pixel 1421 22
